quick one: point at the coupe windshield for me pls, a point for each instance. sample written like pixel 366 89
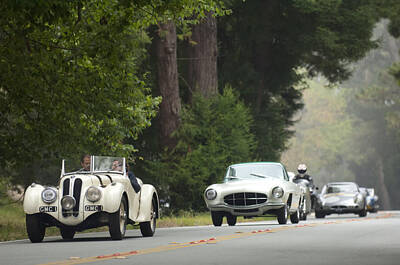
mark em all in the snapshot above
pixel 254 171
pixel 91 164
pixel 337 188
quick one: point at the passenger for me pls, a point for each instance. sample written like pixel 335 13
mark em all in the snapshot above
pixel 85 163
pixel 116 165
pixel 132 178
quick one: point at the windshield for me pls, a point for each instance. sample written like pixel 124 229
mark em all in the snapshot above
pixel 91 164
pixel 254 171
pixel 337 188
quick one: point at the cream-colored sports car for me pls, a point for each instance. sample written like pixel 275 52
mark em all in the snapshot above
pixel 101 194
pixel 254 189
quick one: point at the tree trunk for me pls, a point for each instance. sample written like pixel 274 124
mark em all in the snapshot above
pixel 170 106
pixel 384 193
pixel 202 68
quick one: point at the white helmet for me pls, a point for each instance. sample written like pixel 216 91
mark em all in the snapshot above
pixel 302 168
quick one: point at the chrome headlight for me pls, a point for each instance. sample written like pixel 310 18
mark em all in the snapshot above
pixel 49 195
pixel 68 202
pixel 357 198
pixel 93 194
pixel 211 194
pixel 277 192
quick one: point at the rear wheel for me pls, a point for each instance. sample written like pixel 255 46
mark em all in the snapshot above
pixel 294 218
pixel 282 215
pixel 35 228
pixel 231 219
pixel 216 218
pixel 67 233
pixel 118 221
pixel 149 228
pixel 319 215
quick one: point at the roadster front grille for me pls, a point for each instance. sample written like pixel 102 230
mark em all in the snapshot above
pixel 245 199
pixel 74 186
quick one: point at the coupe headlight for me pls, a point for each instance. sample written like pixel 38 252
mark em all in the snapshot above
pixel 277 192
pixel 68 202
pixel 357 198
pixel 93 194
pixel 49 195
pixel 211 194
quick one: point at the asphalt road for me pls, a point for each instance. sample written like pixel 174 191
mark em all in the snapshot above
pixel 344 239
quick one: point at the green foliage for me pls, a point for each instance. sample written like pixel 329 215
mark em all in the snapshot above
pixel 265 43
pixel 214 134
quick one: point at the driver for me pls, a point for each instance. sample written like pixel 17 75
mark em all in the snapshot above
pixel 302 169
pixel 85 163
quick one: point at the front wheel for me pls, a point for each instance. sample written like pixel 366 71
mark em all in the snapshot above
pixel 149 228
pixel 231 219
pixel 362 213
pixel 118 221
pixel 216 218
pixel 294 218
pixel 35 228
pixel 67 233
pixel 282 215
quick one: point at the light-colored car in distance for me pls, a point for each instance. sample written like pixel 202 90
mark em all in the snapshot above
pixel 254 189
pixel 340 198
pixel 87 198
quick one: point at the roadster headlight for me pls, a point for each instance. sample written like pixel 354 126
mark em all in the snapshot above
pixel 68 202
pixel 357 198
pixel 277 192
pixel 211 194
pixel 93 194
pixel 49 195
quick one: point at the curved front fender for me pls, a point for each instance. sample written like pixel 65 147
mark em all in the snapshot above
pixel 112 195
pixel 146 197
pixel 33 198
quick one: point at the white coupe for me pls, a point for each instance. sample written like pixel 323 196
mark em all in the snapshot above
pixel 254 189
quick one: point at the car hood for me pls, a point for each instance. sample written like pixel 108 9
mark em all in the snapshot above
pixel 248 185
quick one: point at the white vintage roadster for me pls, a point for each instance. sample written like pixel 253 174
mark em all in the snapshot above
pixel 100 195
pixel 254 189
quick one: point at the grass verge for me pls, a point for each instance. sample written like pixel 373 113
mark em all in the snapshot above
pixel 12 221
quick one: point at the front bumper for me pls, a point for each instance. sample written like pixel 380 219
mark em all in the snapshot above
pixel 339 209
pixel 256 210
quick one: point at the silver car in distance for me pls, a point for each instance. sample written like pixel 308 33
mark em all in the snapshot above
pixel 254 189
pixel 340 198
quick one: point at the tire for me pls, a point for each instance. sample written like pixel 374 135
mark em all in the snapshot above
pixel 149 228
pixel 67 233
pixel 319 215
pixel 231 219
pixel 303 216
pixel 35 228
pixel 216 218
pixel 118 221
pixel 362 213
pixel 282 215
pixel 294 218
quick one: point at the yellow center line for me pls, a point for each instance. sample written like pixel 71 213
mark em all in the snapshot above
pixel 174 246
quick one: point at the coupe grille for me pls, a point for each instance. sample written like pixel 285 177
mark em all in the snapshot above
pixel 245 199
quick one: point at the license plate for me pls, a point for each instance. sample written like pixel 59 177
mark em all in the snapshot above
pixel 93 208
pixel 48 209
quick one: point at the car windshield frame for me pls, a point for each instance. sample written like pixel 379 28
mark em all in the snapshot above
pixel 98 164
pixel 252 171
pixel 340 188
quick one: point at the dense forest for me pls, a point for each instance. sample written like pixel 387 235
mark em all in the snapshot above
pixel 184 88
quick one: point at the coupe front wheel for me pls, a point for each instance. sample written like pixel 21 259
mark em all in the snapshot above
pixel 149 228
pixel 231 219
pixel 216 218
pixel 319 215
pixel 118 221
pixel 282 215
pixel 35 228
